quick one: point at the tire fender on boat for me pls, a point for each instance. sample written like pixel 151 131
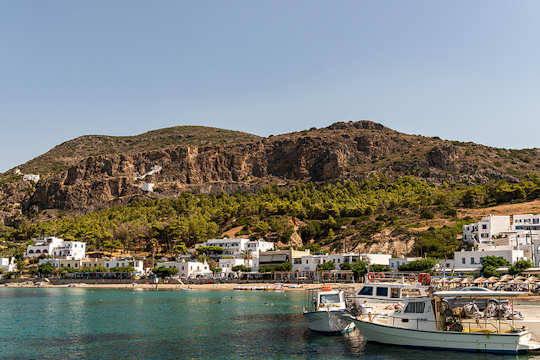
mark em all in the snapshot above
pixel 371 276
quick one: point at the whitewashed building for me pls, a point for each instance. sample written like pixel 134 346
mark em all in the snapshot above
pixel 138 265
pixel 70 250
pixel 310 262
pixel 483 231
pixel 226 264
pixel 240 249
pixel 472 259
pixel 395 263
pixel 31 177
pixel 523 228
pixel 147 187
pixel 8 264
pixel 189 269
pixel 56 247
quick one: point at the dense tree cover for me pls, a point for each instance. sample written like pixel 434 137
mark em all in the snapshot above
pixel 490 265
pixel 419 265
pixel 439 243
pixel 329 213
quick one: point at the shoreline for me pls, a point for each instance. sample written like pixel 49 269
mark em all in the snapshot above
pixel 263 287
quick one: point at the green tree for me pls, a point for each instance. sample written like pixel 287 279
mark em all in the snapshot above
pixel 180 248
pixel 329 265
pixel 358 267
pixel 379 268
pixel 163 272
pixel 46 269
pixel 241 268
pixel 520 266
pixel 490 265
pixel 423 265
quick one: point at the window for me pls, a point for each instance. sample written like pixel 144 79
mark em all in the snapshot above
pixel 366 290
pixel 415 308
pixel 382 291
pixel 484 226
pixel 463 260
pixel 394 293
pixel 472 260
pixel 298 260
pixel 329 299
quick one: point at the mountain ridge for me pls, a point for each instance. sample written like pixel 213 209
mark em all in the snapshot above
pixel 94 171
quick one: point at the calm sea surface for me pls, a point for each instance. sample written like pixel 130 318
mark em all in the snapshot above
pixel 123 324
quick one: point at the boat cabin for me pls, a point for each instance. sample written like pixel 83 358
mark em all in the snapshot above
pixel 436 314
pixel 325 299
pixel 388 292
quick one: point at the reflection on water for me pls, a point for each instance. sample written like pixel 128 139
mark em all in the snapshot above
pixel 119 324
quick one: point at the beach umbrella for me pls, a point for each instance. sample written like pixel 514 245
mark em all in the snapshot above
pixel 466 281
pixel 516 281
pixel 532 279
pixel 455 281
pixel 493 279
pixel 479 280
pixel 521 278
pixel 506 278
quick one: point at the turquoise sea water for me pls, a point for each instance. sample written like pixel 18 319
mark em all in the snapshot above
pixel 80 323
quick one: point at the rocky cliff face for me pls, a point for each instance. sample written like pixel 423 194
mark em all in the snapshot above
pixel 342 151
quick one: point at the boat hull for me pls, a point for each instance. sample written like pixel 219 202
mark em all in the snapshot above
pixel 329 322
pixel 512 343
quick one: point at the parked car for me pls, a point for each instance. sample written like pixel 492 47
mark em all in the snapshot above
pixel 474 288
pixel 482 303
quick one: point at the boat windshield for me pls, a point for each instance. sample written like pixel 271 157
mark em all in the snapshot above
pixel 415 307
pixel 330 299
pixel 366 290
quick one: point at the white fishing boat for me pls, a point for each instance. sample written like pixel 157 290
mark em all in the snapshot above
pixel 386 293
pixel 323 311
pixel 430 323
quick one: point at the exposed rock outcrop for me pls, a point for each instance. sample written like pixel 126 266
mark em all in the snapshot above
pixel 342 151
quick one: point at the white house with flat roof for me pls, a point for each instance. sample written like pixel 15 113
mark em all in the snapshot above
pixel 483 231
pixel 239 249
pixel 310 262
pixel 70 250
pixel 56 247
pixel 138 265
pixel 523 227
pixel 472 259
pixel 395 263
pixel 226 264
pixel 189 269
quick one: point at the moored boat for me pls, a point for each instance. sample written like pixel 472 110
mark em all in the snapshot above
pixel 430 323
pixel 324 311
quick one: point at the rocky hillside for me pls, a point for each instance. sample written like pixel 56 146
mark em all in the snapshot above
pixel 94 172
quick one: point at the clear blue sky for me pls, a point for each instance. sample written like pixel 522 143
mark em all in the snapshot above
pixel 466 70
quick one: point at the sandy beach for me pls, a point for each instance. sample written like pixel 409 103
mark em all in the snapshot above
pixel 218 287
